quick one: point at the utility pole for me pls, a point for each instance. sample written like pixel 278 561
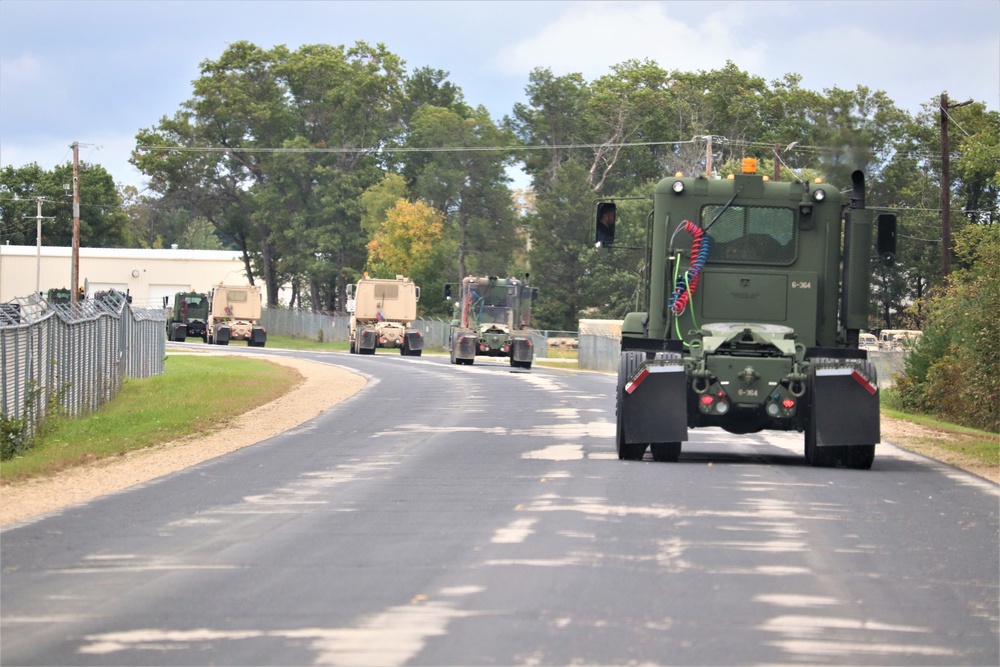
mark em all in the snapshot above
pixel 75 281
pixel 708 157
pixel 777 162
pixel 946 185
pixel 38 243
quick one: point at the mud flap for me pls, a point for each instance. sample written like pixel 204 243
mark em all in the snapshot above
pixel 654 404
pixel 178 332
pixel 845 407
pixel 367 339
pixel 222 333
pixel 465 346
pixel 414 340
pixel 522 350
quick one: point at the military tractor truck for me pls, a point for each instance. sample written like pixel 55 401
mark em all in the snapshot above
pixel 188 317
pixel 492 318
pixel 382 313
pixel 756 295
pixel 233 314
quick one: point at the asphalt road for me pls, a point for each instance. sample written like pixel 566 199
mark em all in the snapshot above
pixel 475 515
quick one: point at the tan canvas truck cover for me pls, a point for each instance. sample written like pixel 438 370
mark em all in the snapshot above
pixel 394 299
pixel 241 303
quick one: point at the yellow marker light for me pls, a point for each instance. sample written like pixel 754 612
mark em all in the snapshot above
pixel 818 180
pixel 749 165
pixel 731 177
pixel 679 174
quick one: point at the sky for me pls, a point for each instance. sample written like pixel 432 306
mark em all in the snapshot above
pixel 98 72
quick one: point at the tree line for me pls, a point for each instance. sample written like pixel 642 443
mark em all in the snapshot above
pixel 322 163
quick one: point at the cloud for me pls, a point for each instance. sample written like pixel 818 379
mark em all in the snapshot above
pixel 591 37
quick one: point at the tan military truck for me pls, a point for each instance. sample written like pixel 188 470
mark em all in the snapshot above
pixel 382 313
pixel 234 315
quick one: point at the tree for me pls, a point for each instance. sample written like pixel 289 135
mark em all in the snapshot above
pixel 468 186
pixel 276 148
pixel 953 371
pixel 103 223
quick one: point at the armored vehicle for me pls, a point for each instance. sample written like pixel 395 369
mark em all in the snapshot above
pixel 233 314
pixel 382 313
pixel 753 314
pixel 189 316
pixel 492 318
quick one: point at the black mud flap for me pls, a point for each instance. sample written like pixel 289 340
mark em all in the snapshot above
pixel 222 333
pixel 367 339
pixel 178 331
pixel 465 346
pixel 414 340
pixel 258 337
pixel 654 404
pixel 845 407
pixel 522 350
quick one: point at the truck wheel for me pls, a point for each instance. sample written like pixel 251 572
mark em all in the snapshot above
pixel 819 457
pixel 415 353
pixel 627 365
pixel 668 452
pixel 860 457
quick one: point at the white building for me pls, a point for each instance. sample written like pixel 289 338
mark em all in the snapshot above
pixel 146 275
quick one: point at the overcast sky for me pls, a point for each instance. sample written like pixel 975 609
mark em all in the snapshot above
pixel 97 72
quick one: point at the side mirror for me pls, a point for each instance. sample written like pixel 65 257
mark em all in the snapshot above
pixel 607 215
pixel 885 241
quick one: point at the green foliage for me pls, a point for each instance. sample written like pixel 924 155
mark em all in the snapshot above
pixel 953 372
pixel 103 222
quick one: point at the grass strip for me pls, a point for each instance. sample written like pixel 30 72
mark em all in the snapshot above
pixel 195 395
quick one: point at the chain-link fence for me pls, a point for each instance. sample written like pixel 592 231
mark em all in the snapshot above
pixel 73 357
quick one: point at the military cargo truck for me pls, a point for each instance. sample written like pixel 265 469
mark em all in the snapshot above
pixel 492 318
pixel 753 310
pixel 188 318
pixel 233 314
pixel 382 313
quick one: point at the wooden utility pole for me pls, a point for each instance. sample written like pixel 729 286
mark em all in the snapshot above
pixel 946 185
pixel 75 281
pixel 708 157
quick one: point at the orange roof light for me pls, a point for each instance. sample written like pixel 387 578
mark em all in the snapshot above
pixel 749 165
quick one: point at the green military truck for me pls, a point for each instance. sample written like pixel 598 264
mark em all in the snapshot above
pixel 492 318
pixel 188 318
pixel 756 295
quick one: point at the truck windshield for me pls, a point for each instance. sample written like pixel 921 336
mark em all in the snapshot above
pixel 492 304
pixel 751 234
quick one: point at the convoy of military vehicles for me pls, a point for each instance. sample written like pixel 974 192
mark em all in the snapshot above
pixel 755 299
pixel 229 312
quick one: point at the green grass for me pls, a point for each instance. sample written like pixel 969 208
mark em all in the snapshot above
pixel 195 395
pixel 980 445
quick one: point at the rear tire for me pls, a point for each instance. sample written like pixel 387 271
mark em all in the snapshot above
pixel 627 365
pixel 860 457
pixel 667 452
pixel 818 457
